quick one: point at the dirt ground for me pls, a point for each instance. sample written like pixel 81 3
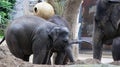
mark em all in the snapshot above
pixel 8 60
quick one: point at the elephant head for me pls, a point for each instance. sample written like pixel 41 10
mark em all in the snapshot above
pixel 59 36
pixel 60 39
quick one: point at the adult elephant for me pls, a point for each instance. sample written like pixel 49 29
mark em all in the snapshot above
pixel 33 35
pixel 106 25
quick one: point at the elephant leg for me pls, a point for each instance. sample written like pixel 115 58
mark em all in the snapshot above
pixel 66 60
pixel 41 56
pixel 15 48
pixel 38 58
pixel 49 57
pixel 26 57
pixel 60 58
pixel 116 49
pixel 97 51
pixel 97 44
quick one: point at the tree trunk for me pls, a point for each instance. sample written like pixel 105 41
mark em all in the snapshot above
pixel 57 5
pixel 70 13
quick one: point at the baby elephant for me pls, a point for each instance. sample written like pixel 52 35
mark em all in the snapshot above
pixel 33 35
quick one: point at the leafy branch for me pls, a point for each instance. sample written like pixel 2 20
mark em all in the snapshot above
pixel 5 8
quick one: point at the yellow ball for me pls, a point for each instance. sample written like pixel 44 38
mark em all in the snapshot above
pixel 44 10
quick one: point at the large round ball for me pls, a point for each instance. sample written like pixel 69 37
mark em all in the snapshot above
pixel 44 10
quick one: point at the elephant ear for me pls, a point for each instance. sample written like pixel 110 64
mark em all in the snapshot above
pixel 53 34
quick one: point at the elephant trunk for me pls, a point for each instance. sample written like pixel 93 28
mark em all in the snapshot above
pixel 69 53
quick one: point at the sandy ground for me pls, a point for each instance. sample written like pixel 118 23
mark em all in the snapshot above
pixel 85 58
pixel 105 59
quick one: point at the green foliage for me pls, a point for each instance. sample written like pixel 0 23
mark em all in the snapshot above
pixel 5 8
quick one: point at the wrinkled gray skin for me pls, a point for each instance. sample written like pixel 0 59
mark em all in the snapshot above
pixel 62 22
pixel 32 35
pixel 116 49
pixel 59 21
pixel 106 26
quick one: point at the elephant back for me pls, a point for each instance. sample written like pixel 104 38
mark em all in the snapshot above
pixel 58 20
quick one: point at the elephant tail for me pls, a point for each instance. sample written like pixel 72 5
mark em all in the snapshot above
pixel 2 40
